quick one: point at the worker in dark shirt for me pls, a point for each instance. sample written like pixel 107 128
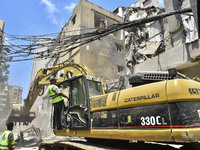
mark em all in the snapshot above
pixel 59 119
pixel 7 138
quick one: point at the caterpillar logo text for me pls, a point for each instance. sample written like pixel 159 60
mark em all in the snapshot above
pixel 194 91
pixel 145 97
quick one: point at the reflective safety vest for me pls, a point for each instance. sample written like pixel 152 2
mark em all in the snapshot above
pixel 53 95
pixel 4 141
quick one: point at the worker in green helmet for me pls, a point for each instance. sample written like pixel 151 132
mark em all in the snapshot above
pixel 7 138
pixel 59 118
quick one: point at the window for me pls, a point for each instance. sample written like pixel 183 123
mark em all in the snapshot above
pixel 3 97
pixel 119 47
pixel 95 88
pixel 16 89
pixel 15 96
pixel 100 20
pixel 78 92
pixel 5 92
pixel 120 69
pixel 73 20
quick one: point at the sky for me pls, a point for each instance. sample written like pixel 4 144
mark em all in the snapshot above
pixel 39 17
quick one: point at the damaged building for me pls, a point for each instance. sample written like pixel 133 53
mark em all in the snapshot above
pixel 108 51
pixel 142 42
pixel 146 40
pixel 154 45
pixel 147 47
pixel 105 56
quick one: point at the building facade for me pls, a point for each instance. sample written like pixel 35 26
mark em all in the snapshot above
pixel 105 56
pixel 9 95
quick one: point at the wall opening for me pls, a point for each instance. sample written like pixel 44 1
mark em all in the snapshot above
pixel 119 47
pixel 73 20
pixel 102 21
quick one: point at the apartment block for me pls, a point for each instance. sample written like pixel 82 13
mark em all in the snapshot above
pixel 9 95
pixel 105 56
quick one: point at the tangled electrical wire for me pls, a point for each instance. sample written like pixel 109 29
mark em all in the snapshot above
pixel 58 45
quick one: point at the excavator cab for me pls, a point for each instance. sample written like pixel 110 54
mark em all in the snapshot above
pixel 80 89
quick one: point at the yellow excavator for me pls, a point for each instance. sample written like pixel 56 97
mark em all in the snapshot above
pixel 159 107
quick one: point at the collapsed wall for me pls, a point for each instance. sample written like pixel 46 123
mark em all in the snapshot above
pixel 145 41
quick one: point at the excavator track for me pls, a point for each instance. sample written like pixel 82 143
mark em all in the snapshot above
pixel 67 146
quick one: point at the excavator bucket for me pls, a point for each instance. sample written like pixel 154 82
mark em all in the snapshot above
pixel 16 114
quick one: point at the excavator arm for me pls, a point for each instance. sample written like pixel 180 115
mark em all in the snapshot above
pixel 23 112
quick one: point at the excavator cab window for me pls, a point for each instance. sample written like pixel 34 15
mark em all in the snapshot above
pixel 78 103
pixel 80 89
pixel 94 88
pixel 65 89
pixel 77 92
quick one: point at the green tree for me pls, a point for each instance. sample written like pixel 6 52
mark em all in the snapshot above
pixel 4 59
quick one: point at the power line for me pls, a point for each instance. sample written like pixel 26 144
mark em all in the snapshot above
pixel 73 41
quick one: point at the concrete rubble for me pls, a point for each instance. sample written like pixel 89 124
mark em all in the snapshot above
pixel 148 40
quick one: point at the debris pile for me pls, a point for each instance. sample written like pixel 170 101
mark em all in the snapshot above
pixel 143 41
pixel 29 137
